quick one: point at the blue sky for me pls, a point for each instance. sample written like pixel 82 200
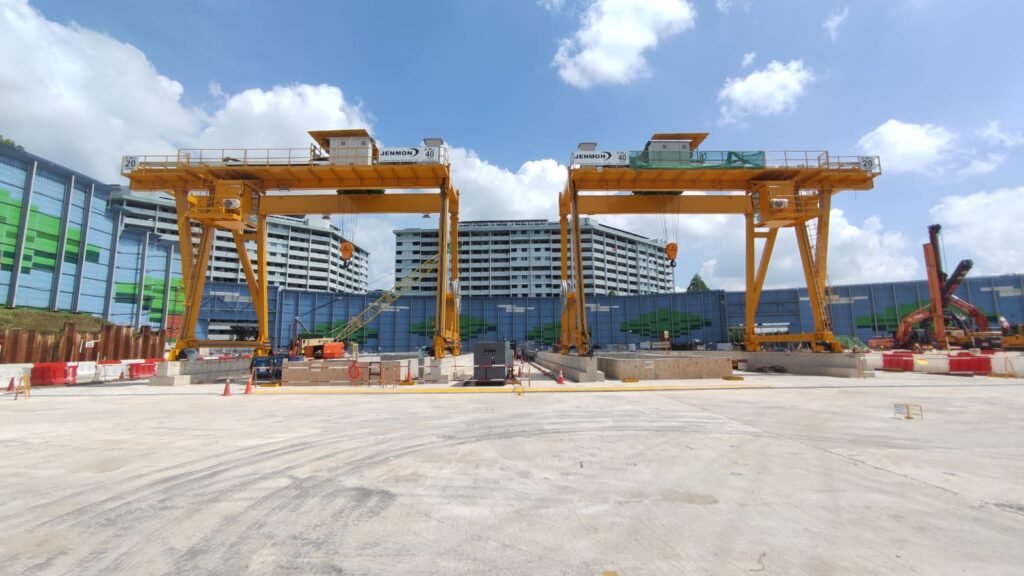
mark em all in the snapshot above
pixel 920 82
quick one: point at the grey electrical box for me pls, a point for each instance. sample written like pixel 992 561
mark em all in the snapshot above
pixel 351 150
pixel 492 362
pixel 668 151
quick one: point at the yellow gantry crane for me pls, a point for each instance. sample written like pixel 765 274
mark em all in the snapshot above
pixel 236 189
pixel 672 175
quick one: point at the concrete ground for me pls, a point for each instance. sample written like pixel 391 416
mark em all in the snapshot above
pixel 813 476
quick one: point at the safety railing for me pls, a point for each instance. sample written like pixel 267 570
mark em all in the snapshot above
pixel 276 157
pixel 754 159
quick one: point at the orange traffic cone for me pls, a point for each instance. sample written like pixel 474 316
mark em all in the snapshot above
pixel 10 387
pixel 561 379
pixel 248 385
pixel 227 387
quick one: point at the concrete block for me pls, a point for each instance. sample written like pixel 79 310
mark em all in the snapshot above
pixel 176 380
pixel 450 369
pixel 839 365
pixel 575 368
pixel 663 367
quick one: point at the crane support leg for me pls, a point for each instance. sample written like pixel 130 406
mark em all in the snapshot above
pixel 582 333
pixel 263 312
pixel 194 285
pixel 816 295
pixel 250 274
pixel 755 283
pixel 821 242
pixel 446 319
pixel 750 308
pixel 568 332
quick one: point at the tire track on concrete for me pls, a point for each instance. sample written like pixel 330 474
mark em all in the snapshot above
pixel 163 493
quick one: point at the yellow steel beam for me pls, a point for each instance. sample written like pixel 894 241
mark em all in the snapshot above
pixel 440 310
pixel 821 242
pixel 184 236
pixel 682 204
pixel 262 313
pixel 294 177
pixel 250 275
pixel 411 203
pixel 738 179
pixel 582 333
pixel 815 295
pixel 750 300
pixel 194 287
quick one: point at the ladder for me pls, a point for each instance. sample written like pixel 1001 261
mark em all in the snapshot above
pixel 387 299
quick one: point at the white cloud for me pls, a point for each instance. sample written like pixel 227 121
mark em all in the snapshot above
pixel 609 47
pixel 834 21
pixel 983 226
pixel 994 135
pixel 907 147
pixel 748 59
pixel 724 5
pixel 487 191
pixel 82 97
pixel 279 117
pixel 103 98
pixel 979 166
pixel 770 90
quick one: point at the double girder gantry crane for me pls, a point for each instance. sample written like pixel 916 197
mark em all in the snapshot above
pixel 237 189
pixel 672 175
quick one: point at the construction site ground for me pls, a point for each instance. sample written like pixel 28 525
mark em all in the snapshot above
pixel 794 475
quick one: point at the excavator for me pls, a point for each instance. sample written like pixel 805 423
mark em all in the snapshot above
pixel 947 320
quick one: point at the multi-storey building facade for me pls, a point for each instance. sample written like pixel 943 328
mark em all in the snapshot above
pixel 302 253
pixel 63 248
pixel 523 258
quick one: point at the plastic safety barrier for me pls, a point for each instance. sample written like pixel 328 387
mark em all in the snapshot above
pixel 53 374
pixel 141 371
pixel 107 370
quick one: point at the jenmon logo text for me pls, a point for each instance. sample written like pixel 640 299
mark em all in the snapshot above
pixel 594 155
pixel 404 153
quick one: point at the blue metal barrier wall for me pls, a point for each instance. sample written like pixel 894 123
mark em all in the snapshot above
pixel 864 311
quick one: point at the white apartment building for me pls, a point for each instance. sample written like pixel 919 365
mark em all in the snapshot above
pixel 523 258
pixel 302 253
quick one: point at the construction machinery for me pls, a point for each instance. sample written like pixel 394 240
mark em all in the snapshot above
pixel 1013 336
pixel 673 175
pixel 237 189
pixel 332 345
pixel 946 321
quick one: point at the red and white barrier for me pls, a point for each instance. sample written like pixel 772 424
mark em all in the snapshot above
pixel 955 362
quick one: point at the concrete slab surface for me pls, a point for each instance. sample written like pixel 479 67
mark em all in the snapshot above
pixel 810 476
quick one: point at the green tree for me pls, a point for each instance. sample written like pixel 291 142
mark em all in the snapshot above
pixel 697 284
pixel 9 142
